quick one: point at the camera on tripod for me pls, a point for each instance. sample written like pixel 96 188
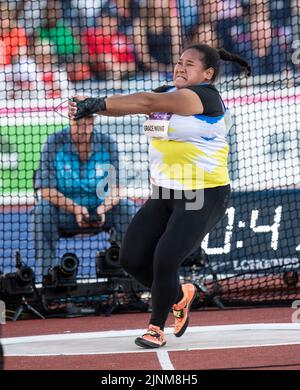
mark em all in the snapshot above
pixel 18 283
pixel 108 264
pixel 64 275
pixel 92 219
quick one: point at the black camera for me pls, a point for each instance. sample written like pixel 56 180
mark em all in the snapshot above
pixel 108 264
pixel 92 219
pixel 64 275
pixel 17 283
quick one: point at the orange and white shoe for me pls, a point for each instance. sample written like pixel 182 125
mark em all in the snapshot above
pixel 181 309
pixel 153 338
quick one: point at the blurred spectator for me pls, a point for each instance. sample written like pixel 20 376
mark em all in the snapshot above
pixel 12 37
pixel 204 31
pixel 280 12
pixel 281 19
pixel 126 12
pixel 188 10
pixel 267 56
pixel 18 71
pixel 82 13
pixel 215 19
pixel 29 15
pixel 25 76
pixel 111 53
pixel 260 29
pixel 295 19
pixel 55 30
pixel 157 36
pixel 63 41
pixel 229 20
pixel 54 77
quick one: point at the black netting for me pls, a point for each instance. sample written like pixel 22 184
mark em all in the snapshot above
pixel 51 50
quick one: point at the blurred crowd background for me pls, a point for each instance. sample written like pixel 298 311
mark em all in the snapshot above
pixel 45 44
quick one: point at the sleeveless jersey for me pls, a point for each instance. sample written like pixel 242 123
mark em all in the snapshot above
pixel 193 154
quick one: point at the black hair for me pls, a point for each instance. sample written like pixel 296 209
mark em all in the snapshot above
pixel 212 58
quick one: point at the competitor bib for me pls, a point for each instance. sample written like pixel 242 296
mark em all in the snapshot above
pixel 157 125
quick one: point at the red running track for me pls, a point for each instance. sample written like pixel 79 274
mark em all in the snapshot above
pixel 273 357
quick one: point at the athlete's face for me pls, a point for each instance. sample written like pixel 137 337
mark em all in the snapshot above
pixel 189 70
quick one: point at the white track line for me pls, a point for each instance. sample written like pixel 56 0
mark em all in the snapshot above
pixel 141 350
pixel 137 332
pixel 164 360
pixel 120 342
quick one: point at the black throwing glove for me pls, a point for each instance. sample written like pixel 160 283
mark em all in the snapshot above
pixel 89 107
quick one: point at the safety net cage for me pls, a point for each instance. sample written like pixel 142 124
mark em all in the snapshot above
pixel 52 177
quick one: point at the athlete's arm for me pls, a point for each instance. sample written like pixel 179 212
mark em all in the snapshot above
pixel 181 102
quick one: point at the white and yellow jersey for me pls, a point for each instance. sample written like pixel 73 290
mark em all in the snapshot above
pixel 190 152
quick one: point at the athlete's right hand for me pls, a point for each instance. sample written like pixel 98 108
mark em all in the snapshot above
pixel 81 215
pixel 72 105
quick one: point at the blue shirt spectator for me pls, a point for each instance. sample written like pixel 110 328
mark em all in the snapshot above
pixel 77 179
pixel 61 167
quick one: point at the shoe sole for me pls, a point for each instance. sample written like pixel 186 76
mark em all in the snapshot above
pixel 183 329
pixel 147 344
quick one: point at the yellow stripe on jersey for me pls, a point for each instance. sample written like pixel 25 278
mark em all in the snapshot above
pixel 185 163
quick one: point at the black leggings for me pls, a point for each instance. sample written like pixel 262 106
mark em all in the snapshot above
pixel 161 235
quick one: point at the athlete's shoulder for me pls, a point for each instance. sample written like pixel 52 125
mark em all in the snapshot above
pixel 210 88
pixel 210 97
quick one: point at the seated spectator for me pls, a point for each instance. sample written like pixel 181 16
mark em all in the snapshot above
pixel 74 164
pixel 111 54
pixel 157 36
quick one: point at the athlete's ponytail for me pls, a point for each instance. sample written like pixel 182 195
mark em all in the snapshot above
pixel 227 56
pixel 212 58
